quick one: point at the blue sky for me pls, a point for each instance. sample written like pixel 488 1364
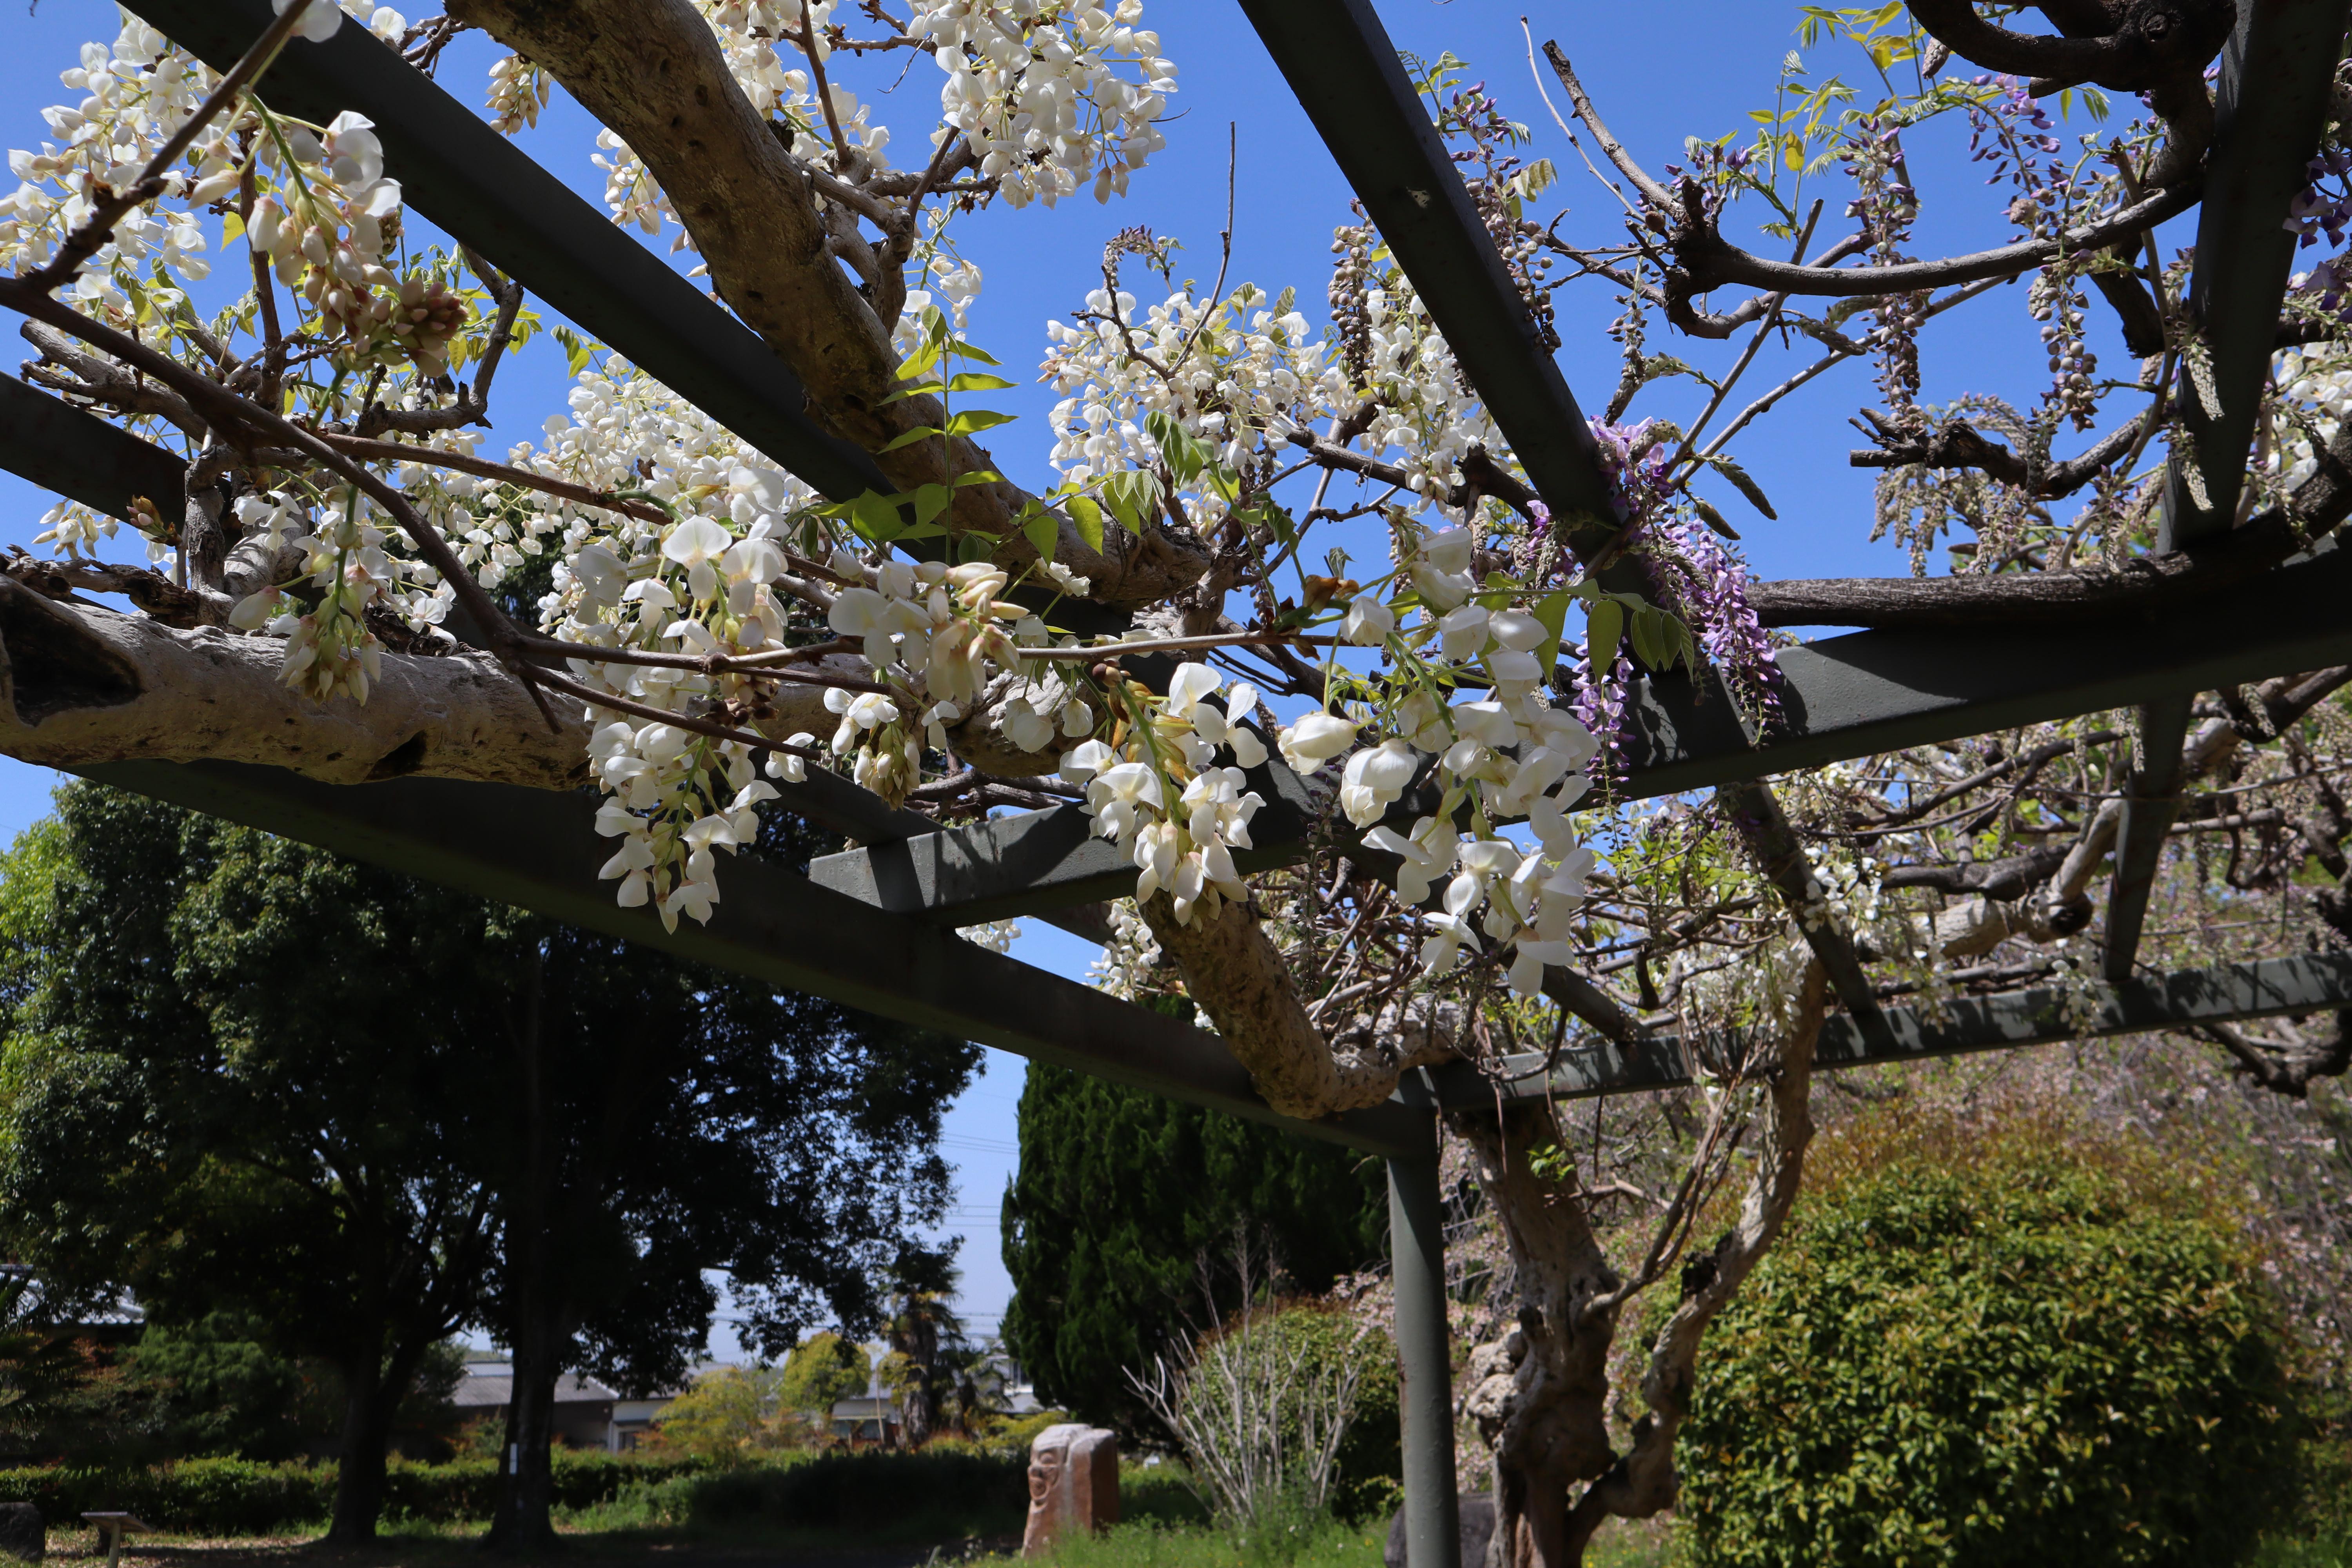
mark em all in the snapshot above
pixel 1039 264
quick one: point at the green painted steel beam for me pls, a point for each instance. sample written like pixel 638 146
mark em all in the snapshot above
pixel 1343 69
pixel 2270 988
pixel 79 455
pixel 2269 108
pixel 2151 800
pixel 1843 698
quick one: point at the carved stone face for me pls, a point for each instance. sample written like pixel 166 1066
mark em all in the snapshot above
pixel 1045 1469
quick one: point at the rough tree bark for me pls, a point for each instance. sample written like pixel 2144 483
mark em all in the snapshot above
pixel 374 1384
pixel 79 685
pixel 1539 1394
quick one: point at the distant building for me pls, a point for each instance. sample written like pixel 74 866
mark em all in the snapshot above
pixel 112 1318
pixel 1003 1387
pixel 634 1419
pixel 874 1416
pixel 584 1408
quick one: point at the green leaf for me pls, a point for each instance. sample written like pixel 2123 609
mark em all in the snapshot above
pixel 1553 613
pixel 1043 531
pixel 973 352
pixel 1183 453
pixel 1746 486
pixel 1089 520
pixel 909 437
pixel 920 362
pixel 977 381
pixel 876 516
pixel 975 419
pixel 979 477
pixel 1605 625
pixel 580 350
pixel 931 500
pixel 975 547
pixel 1649 644
pixel 1132 494
pixel 919 389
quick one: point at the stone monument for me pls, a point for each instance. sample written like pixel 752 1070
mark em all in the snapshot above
pixel 1073 1485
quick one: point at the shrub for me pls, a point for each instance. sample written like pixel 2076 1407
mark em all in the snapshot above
pixel 1267 1407
pixel 2023 1344
pixel 822 1371
pixel 727 1418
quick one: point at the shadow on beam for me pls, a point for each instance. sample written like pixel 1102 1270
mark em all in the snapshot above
pixel 2270 988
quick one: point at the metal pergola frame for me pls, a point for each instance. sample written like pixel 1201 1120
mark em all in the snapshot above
pixel 873 927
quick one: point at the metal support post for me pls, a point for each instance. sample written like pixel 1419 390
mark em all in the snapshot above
pixel 2151 802
pixel 1433 1526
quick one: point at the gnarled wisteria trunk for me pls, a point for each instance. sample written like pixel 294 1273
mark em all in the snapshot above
pixel 1540 1394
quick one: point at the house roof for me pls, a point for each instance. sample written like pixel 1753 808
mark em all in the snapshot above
pixel 492 1383
pixel 115 1311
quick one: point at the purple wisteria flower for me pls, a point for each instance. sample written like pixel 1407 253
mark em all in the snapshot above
pixel 1600 705
pixel 1638 486
pixel 1695 576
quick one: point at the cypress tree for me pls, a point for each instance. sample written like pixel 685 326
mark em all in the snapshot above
pixel 1124 1219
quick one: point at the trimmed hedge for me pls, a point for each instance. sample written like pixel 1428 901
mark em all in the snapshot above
pixel 825 1491
pixel 239 1497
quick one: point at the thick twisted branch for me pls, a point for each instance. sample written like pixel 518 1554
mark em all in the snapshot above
pixel 1957 443
pixel 653 71
pixel 2130 45
pixel 1703 260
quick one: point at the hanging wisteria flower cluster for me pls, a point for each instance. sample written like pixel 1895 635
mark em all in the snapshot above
pixel 1508 757
pixel 1035 85
pixel 2315 385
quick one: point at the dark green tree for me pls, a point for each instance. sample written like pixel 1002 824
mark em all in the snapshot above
pixel 217 1386
pixel 366 1111
pixel 927 1342
pixel 238 1082
pixel 1127 1204
pixel 668 1121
